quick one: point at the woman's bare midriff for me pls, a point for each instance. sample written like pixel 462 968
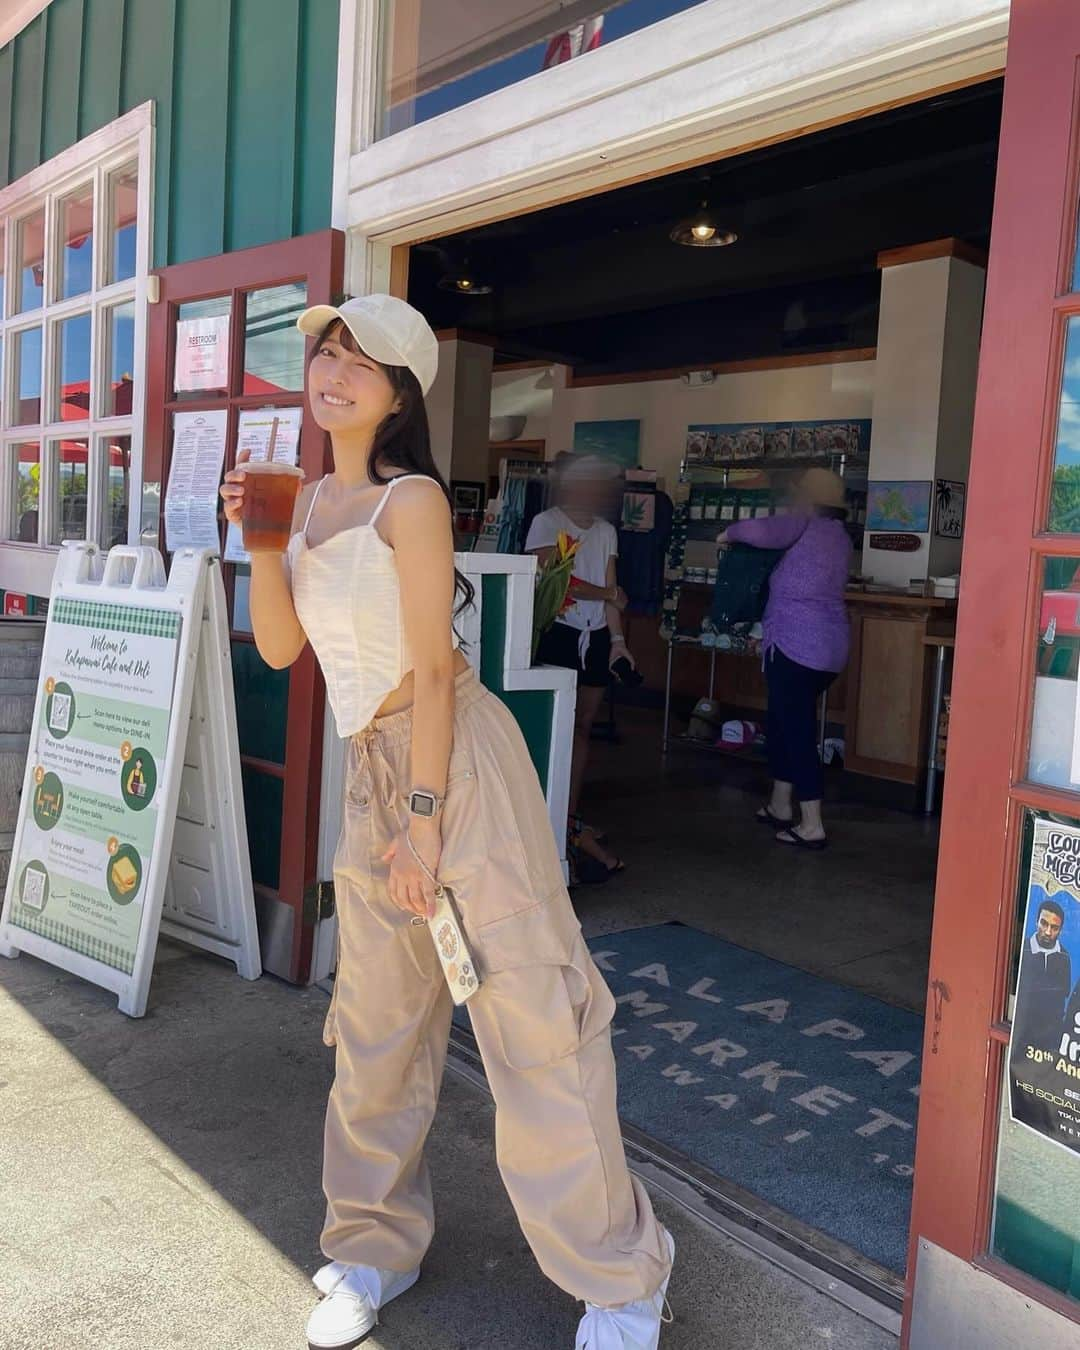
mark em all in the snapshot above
pixel 402 697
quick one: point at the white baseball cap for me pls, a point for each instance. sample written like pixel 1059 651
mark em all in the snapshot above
pixel 387 329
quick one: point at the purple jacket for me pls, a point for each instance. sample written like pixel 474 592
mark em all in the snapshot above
pixel 805 617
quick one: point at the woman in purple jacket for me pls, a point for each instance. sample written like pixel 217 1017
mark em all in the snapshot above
pixel 805 644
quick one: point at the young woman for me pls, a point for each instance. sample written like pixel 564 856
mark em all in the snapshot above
pixel 589 636
pixel 805 644
pixel 439 785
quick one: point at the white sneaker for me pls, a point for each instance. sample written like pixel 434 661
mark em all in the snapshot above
pixel 327 1276
pixel 631 1326
pixel 351 1306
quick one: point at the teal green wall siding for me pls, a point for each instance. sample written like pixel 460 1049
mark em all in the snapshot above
pixel 26 95
pixel 102 58
pixel 200 118
pixel 260 171
pixel 152 76
pixel 244 94
pixel 318 35
pixel 63 79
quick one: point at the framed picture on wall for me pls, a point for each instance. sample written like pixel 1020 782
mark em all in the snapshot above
pixel 895 506
pixel 950 497
pixel 620 441
pixel 468 498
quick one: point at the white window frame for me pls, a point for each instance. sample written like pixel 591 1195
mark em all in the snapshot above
pixel 694 87
pixel 28 567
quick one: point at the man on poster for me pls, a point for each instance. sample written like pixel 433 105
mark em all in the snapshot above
pixel 1044 1052
pixel 1046 975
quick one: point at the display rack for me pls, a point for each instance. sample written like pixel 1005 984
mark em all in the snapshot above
pixel 731 491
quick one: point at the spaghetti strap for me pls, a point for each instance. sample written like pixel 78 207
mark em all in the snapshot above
pixel 422 477
pixel 311 506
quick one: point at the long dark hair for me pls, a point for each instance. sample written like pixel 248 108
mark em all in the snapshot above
pixel 403 439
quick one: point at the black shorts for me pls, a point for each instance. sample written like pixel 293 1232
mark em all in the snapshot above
pixel 560 646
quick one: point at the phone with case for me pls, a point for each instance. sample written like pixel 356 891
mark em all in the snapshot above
pixel 451 947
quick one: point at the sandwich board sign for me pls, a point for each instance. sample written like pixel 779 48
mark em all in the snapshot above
pixel 131 820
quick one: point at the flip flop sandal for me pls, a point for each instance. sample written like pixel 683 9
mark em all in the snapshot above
pixel 791 839
pixel 588 871
pixel 578 827
pixel 766 817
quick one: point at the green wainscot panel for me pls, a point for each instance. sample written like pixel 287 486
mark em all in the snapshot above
pixel 262 704
pixel 534 710
pixel 264 799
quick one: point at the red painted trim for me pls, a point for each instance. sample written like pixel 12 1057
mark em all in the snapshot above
pixel 1033 234
pixel 266 766
pixel 319 260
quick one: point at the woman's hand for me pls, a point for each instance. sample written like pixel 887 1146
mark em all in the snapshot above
pixel 618 597
pixel 232 489
pixel 619 650
pixel 411 887
pixel 722 541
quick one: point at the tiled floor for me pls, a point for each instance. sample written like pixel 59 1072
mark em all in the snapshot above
pixel 859 913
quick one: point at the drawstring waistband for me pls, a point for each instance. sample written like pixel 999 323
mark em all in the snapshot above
pixel 397 727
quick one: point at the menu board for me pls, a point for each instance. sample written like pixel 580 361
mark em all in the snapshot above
pixel 98 752
pixel 191 498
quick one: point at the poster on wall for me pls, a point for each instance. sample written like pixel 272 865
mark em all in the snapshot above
pixel 202 354
pixel 620 441
pixel 266 433
pixel 1044 1051
pixel 950 497
pixel 898 506
pixel 98 754
pixel 191 498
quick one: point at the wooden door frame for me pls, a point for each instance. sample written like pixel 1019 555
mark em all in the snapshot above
pixel 1027 303
pixel 318 259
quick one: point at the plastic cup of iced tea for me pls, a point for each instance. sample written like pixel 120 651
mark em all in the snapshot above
pixel 270 491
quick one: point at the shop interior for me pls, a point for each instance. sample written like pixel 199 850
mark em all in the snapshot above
pixel 812 302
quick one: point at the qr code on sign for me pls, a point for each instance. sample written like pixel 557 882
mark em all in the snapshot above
pixel 33 891
pixel 60 714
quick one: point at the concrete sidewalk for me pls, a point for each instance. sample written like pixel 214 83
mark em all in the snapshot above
pixel 159 1188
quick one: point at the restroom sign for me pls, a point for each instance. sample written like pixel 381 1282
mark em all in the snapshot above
pixel 131 818
pixel 202 354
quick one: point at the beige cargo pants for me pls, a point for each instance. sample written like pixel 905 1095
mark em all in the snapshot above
pixel 541 1020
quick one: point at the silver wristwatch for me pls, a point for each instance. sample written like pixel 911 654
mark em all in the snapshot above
pixel 426 805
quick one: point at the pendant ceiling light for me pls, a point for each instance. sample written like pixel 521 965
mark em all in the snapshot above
pixel 464 281
pixel 703 230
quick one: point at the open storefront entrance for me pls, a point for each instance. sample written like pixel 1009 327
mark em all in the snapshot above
pixel 771 1017
pixel 992 1241
pixel 858 298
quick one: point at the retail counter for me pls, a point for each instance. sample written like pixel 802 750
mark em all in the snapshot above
pixel 888 704
pixel 881 702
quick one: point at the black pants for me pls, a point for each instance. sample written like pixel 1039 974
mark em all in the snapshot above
pixel 794 695
pixel 561 646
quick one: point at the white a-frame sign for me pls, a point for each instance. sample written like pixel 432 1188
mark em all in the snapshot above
pixel 131 819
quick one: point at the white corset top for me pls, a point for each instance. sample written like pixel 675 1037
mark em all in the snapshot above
pixel 347 597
